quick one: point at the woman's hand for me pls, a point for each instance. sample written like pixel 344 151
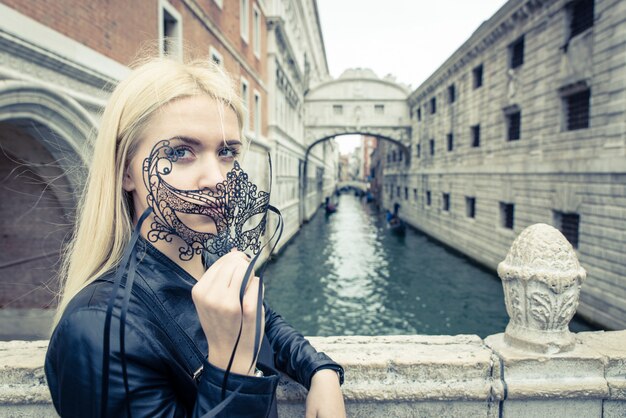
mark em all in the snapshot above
pixel 325 399
pixel 216 296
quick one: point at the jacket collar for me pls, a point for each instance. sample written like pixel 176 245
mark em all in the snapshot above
pixel 171 284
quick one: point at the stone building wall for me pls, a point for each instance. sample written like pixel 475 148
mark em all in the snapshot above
pixel 549 172
pixel 296 59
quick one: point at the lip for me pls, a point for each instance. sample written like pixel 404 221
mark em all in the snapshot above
pixel 198 222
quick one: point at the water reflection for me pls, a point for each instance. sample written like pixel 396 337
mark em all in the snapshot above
pixel 345 274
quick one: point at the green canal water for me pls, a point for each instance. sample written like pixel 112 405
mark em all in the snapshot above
pixel 346 274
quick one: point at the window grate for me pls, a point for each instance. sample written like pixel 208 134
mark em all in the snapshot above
pixel 477 74
pixel 451 94
pixel 517 53
pixel 428 201
pixel 476 136
pixel 432 147
pixel 418 150
pixel 581 17
pixel 578 110
pixel 568 224
pixel 406 193
pixel 514 121
pixel 419 113
pixel 446 202
pixel 450 138
pixel 433 105
pixel 470 207
pixel 507 211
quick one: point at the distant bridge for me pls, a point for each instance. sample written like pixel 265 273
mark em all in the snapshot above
pixel 355 184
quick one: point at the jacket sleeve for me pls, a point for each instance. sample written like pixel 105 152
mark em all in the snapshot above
pixel 293 354
pixel 74 372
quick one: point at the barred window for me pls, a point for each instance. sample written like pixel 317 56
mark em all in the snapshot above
pixel 581 16
pixel 577 110
pixel 513 121
pixel 338 109
pixel 445 203
pixel 419 113
pixel 415 194
pixel 450 138
pixel 398 191
pixel 432 147
pixel 476 136
pixel 516 53
pixel 400 155
pixel 477 75
pixel 470 207
pixel 379 109
pixel 428 201
pixel 568 224
pixel 507 213
pixel 393 156
pixel 451 93
pixel 406 193
pixel 433 105
pixel 418 150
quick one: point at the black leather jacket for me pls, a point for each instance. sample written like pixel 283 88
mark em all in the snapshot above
pixel 162 360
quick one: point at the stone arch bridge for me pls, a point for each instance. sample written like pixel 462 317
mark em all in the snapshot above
pixel 358 102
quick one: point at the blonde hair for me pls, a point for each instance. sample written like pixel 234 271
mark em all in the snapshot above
pixel 104 223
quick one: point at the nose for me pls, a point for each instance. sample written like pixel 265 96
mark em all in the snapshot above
pixel 210 174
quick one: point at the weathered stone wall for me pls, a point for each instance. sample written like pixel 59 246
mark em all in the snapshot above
pixel 549 168
pixel 409 376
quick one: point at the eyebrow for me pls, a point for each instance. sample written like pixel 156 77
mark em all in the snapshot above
pixel 196 142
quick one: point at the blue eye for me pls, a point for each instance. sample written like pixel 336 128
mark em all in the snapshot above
pixel 228 152
pixel 182 153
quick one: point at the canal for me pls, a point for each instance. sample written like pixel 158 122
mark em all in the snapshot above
pixel 346 274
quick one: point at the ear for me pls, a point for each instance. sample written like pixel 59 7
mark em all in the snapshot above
pixel 128 184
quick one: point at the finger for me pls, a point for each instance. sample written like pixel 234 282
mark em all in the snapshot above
pixel 250 298
pixel 211 278
pixel 245 256
pixel 236 277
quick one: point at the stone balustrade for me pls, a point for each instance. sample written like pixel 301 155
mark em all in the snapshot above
pixel 537 368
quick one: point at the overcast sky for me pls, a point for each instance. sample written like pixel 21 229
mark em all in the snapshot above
pixel 407 38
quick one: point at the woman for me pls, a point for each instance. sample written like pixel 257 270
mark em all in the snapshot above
pixel 143 327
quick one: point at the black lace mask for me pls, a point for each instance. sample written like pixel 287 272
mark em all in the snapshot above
pixel 236 207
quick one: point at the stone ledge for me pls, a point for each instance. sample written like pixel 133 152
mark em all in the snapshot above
pixel 403 368
pixel 612 347
pixel 407 376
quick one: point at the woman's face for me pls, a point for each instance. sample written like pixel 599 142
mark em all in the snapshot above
pixel 205 136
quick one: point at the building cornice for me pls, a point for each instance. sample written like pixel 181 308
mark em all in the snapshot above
pixel 277 24
pixel 321 34
pixel 488 33
pixel 199 12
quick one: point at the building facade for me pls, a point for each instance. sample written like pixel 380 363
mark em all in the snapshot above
pixel 296 60
pixel 526 123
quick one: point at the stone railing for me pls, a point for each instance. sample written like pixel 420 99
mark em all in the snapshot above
pixel 537 368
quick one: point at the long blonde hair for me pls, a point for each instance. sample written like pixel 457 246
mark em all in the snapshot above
pixel 104 218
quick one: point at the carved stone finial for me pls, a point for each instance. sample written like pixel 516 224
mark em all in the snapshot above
pixel 541 278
